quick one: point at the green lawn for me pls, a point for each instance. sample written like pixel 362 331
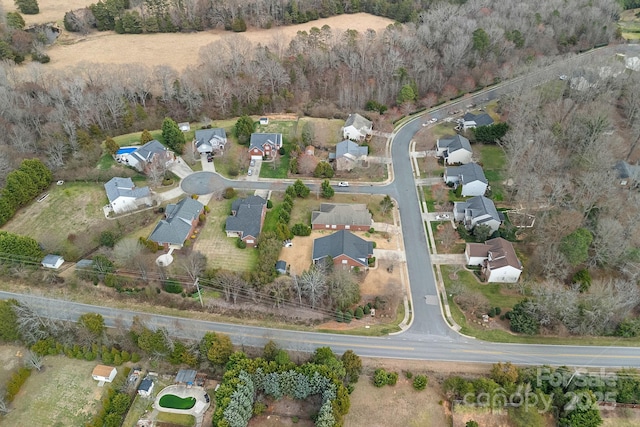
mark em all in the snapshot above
pixel 106 162
pixel 221 251
pixel 428 198
pixel 176 419
pixel 134 138
pixel 175 402
pixel 493 162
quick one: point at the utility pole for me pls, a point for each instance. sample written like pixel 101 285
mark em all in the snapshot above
pixel 197 285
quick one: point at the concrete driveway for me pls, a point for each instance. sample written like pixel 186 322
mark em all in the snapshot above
pixel 181 168
pixel 206 165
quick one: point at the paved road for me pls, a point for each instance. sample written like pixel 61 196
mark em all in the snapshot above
pixel 405 346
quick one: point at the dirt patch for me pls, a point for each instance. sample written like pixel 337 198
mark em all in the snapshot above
pixel 175 49
pixel 398 405
pixel 11 358
pixel 287 411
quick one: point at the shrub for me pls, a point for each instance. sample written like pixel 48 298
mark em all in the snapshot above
pixel 380 378
pixel 348 315
pixel 259 408
pixel 372 261
pixel 172 286
pixel 359 314
pixel 339 316
pixel 492 312
pixel 498 310
pixel 28 7
pixel 367 309
pixel 269 204
pixel 300 229
pixel 420 382
pixel 15 383
pixel 229 193
pixel 408 374
pixel 392 378
pixel 108 238
pixel 240 244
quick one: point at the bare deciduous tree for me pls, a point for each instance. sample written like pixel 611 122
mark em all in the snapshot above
pixel 314 284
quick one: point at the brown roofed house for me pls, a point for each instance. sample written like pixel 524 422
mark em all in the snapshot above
pixel 341 216
pixel 498 260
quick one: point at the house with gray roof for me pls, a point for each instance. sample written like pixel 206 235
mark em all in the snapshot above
pixel 341 216
pixel 210 140
pixel 475 211
pixel 144 156
pixel 345 249
pixel 455 149
pixel 497 258
pixel 470 120
pixel 349 155
pixel 124 196
pixel 470 176
pixel 179 223
pixel 628 174
pixel 356 127
pixel 264 145
pixel 246 219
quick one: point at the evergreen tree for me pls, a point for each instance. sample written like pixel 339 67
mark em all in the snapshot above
pixel 28 7
pixel 172 135
pixel 326 189
pixel 243 129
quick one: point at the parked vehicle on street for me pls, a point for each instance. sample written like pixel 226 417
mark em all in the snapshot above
pixel 343 184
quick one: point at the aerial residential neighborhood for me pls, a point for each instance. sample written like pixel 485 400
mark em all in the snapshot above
pixel 331 214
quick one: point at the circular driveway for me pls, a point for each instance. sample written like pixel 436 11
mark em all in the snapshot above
pixel 201 183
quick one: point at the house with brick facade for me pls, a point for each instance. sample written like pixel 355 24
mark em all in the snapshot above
pixel 144 156
pixel 264 145
pixel 179 223
pixel 246 219
pixel 341 216
pixel 345 249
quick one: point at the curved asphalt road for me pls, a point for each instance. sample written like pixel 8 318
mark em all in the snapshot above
pixel 429 337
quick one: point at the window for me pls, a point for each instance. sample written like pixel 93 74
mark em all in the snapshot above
pixel 333 226
pixel 249 241
pixel 344 261
pixel 347 227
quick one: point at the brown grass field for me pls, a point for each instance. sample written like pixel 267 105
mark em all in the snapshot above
pixel 175 49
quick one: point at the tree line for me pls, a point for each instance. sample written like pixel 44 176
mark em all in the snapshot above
pixel 63 116
pixel 22 186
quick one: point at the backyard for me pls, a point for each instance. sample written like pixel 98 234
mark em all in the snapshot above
pixel 62 394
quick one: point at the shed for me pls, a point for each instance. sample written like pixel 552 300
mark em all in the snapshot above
pixel 104 374
pixel 184 126
pixel 281 267
pixel 264 120
pixel 52 261
pixel 186 376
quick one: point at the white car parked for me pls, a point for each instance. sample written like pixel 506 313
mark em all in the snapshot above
pixel 343 184
pixel 442 216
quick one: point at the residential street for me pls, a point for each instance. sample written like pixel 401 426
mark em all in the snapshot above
pixel 429 336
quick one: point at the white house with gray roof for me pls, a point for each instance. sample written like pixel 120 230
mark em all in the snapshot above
pixel 356 127
pixel 628 174
pixel 124 196
pixel 475 211
pixel 179 222
pixel 342 216
pixel 246 219
pixel 454 149
pixel 470 176
pixel 349 155
pixel 145 155
pixel 210 140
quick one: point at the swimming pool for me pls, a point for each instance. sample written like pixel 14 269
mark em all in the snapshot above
pixel 126 150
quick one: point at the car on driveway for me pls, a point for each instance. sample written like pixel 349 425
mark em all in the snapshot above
pixel 287 243
pixel 252 162
pixel 343 184
pixel 250 172
pixel 442 216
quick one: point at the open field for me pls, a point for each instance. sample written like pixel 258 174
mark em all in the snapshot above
pixel 10 361
pixel 179 50
pixel 70 219
pixel 62 394
pixel 398 405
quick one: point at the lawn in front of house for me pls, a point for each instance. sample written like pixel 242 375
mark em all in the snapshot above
pixel 63 393
pixel 221 251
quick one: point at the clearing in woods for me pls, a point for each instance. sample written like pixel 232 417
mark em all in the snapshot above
pixel 178 50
